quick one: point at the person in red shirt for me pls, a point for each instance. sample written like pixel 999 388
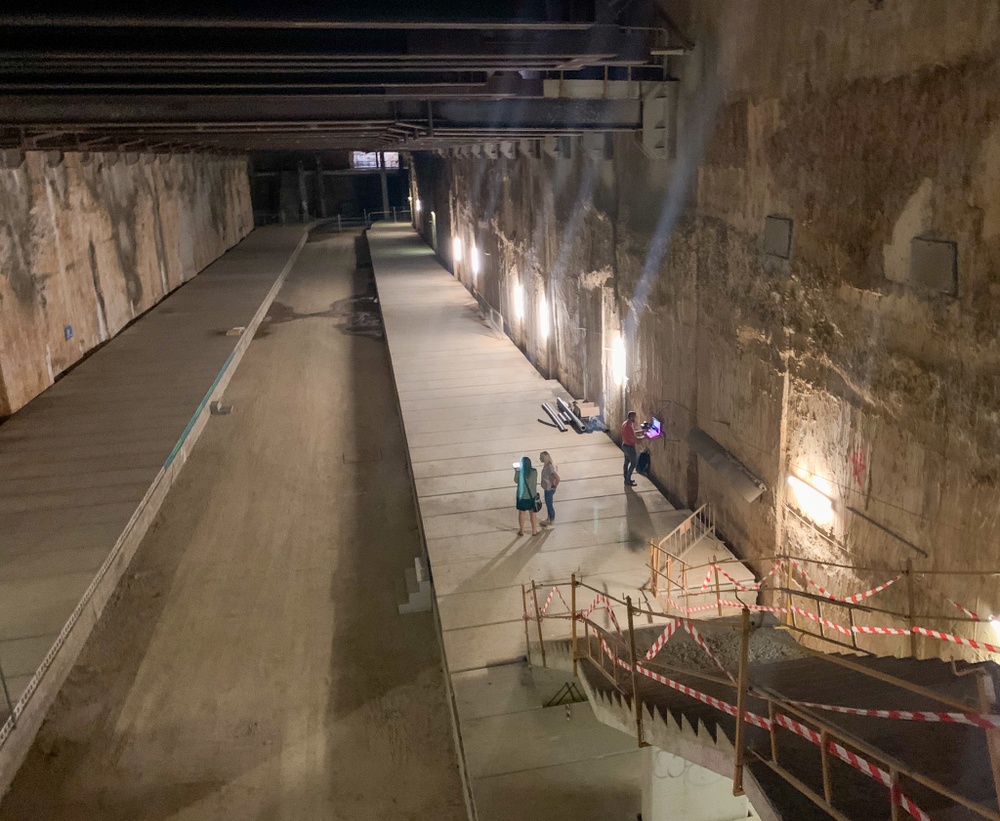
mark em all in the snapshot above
pixel 631 433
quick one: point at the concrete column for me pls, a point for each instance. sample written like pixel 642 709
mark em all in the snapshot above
pixel 303 194
pixel 320 188
pixel 385 182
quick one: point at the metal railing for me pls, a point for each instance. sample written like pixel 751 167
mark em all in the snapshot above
pixel 343 222
pixel 614 655
pixel 672 548
pixel 790 590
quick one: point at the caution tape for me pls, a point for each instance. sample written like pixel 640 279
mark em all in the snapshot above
pixel 777 566
pixel 985 721
pixel 736 582
pixel 664 637
pixel 846 631
pixel 555 591
pixel 690 628
pixel 970 613
pixel 602 601
pixel 711 701
pixel 858 762
pixel 882 631
pixel 857 597
pixel 937 634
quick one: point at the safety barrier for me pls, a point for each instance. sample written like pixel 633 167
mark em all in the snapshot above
pixel 799 599
pixel 615 655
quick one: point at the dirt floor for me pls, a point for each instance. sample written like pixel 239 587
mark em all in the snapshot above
pixel 252 664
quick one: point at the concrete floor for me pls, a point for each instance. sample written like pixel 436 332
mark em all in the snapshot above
pixel 253 665
pixel 470 403
pixel 76 462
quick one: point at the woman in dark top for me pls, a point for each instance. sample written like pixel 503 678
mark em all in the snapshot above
pixel 526 479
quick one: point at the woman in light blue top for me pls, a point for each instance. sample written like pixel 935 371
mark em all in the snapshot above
pixel 526 479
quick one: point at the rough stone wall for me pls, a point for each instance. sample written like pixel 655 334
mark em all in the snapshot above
pixel 867 123
pixel 90 241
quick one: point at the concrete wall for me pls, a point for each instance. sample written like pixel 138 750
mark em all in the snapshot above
pixel 678 790
pixel 90 241
pixel 868 123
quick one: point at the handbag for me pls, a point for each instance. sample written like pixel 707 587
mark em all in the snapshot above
pixel 538 503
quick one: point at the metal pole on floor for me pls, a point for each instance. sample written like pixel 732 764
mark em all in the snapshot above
pixel 911 606
pixel 635 684
pixel 538 616
pixel 572 599
pixel 527 637
pixel 741 703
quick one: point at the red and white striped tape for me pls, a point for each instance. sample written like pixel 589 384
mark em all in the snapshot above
pixel 729 709
pixel 858 762
pixel 970 613
pixel 882 631
pixel 664 637
pixel 690 628
pixel 847 631
pixel 907 803
pixel 777 566
pixel 857 597
pixel 937 634
pixel 555 591
pixel 708 579
pixel 737 583
pixel 808 580
pixel 984 721
pixel 602 601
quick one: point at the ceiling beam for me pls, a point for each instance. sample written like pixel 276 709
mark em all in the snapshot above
pixel 96 110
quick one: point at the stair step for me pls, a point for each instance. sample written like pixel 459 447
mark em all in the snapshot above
pixel 420 566
pixel 419 592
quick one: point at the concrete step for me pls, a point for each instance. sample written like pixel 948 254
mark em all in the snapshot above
pixel 419 591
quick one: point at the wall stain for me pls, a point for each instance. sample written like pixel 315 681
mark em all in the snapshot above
pixel 102 312
pixel 16 206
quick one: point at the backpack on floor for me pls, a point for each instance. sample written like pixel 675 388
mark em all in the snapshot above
pixel 643 464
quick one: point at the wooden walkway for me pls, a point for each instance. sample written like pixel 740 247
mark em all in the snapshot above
pixel 470 405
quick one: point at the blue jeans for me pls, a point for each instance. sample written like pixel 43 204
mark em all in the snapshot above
pixel 549 507
pixel 631 460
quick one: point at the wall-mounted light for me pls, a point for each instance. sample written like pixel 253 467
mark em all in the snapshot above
pixel 543 318
pixel 817 505
pixel 519 300
pixel 417 206
pixel 618 362
pixel 456 249
pixel 474 259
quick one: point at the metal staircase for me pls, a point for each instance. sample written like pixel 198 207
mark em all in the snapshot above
pixel 768 721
